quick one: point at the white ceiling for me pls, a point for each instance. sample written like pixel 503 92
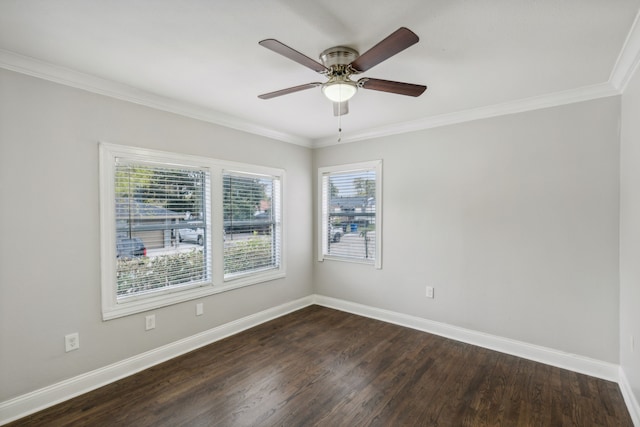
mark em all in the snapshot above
pixel 202 58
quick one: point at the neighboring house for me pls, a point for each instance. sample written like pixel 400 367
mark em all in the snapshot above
pixel 352 210
pixel 346 204
pixel 153 224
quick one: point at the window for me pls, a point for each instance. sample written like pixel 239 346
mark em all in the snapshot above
pixel 350 220
pixel 177 227
pixel 252 222
pixel 150 203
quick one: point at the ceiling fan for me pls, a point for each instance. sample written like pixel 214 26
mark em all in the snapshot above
pixel 340 63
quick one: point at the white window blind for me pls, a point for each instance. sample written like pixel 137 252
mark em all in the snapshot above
pixel 157 207
pixel 177 227
pixel 252 223
pixel 350 212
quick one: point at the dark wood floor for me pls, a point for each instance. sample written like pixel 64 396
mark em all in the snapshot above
pixel 322 367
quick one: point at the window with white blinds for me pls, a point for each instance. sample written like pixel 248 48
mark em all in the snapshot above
pixel 157 208
pixel 252 223
pixel 177 227
pixel 350 206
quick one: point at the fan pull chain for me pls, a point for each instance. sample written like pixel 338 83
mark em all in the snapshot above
pixel 339 123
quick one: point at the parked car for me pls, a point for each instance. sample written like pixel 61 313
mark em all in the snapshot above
pixel 335 233
pixel 130 248
pixel 195 235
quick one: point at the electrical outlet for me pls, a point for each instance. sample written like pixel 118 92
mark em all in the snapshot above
pixel 150 322
pixel 71 342
pixel 199 309
pixel 429 293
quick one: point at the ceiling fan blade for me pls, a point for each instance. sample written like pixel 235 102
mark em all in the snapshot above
pixel 399 88
pixel 395 43
pixel 288 90
pixel 293 54
pixel 340 108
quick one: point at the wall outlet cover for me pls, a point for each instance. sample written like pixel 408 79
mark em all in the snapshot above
pixel 429 293
pixel 150 322
pixel 71 342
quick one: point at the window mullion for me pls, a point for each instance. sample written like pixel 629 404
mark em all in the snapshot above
pixel 158 198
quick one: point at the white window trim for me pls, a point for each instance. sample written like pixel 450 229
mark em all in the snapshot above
pixel 322 230
pixel 253 277
pixel 111 308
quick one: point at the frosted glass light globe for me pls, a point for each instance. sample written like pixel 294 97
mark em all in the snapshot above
pixel 339 91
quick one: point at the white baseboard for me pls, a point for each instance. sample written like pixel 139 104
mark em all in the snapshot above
pixel 48 396
pixel 629 398
pixel 37 400
pixel 573 362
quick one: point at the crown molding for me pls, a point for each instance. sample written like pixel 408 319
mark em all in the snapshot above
pixel 624 68
pixel 626 63
pixel 571 96
pixel 44 70
pixel 628 59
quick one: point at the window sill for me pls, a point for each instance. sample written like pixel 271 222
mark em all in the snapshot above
pixel 241 280
pixel 349 260
pixel 131 307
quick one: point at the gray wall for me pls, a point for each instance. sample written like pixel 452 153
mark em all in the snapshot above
pixel 630 235
pixel 49 223
pixel 513 220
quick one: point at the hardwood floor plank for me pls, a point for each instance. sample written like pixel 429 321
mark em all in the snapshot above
pixel 323 367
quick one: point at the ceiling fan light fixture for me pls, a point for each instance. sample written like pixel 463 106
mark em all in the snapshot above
pixel 339 90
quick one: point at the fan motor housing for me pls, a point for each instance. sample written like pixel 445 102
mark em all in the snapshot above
pixel 339 55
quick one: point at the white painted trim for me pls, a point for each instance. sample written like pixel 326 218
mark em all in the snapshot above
pixel 46 71
pixel 571 96
pixel 560 359
pixel 628 59
pixel 48 396
pixel 113 308
pixel 29 403
pixel 629 398
pixel 322 228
